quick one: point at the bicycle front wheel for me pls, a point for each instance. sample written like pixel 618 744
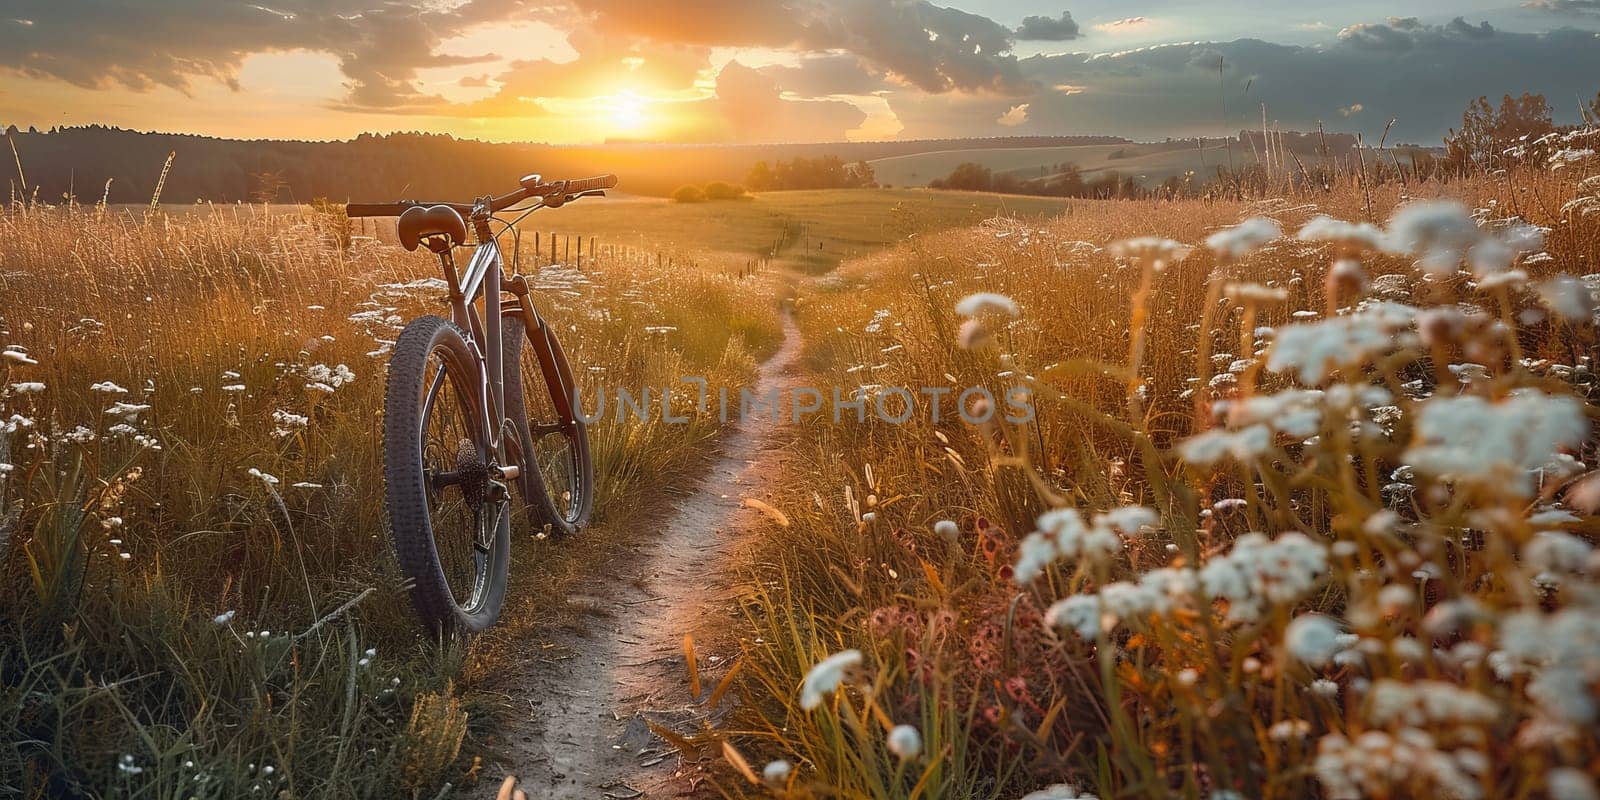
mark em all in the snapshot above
pixel 552 441
pixel 448 514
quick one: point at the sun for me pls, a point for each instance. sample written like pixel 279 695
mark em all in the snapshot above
pixel 627 110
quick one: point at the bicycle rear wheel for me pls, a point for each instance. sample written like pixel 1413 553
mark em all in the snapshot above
pixel 448 515
pixel 552 441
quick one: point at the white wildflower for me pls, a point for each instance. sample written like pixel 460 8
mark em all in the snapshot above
pixel 825 677
pixel 17 356
pixel 1312 638
pixel 1058 791
pixel 776 773
pixel 224 618
pixel 1568 783
pixel 1438 233
pixel 128 411
pixel 1323 228
pixel 981 303
pixel 1568 297
pixel 1159 253
pixel 1212 446
pixel 1314 349
pixel 27 387
pixel 1237 242
pixel 905 742
pixel 1080 612
pixel 1495 445
pixel 263 477
pixel 108 387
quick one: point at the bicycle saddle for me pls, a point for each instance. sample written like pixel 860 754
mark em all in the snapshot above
pixel 418 223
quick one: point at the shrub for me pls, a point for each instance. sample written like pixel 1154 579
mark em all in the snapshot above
pixel 688 193
pixel 720 190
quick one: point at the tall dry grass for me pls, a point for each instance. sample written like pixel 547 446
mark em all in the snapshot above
pixel 1075 605
pixel 198 597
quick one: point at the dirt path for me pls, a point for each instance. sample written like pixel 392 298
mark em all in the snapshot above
pixel 589 691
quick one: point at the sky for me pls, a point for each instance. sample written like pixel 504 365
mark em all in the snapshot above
pixel 585 71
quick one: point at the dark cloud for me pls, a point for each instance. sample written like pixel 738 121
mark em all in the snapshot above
pixel 1404 33
pixel 1571 7
pixel 827 74
pixel 1047 29
pixel 98 43
pixel 1424 83
pixel 930 47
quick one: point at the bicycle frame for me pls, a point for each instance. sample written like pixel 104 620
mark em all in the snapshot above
pixel 485 275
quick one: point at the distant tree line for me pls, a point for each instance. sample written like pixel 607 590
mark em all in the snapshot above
pixel 78 161
pixel 1489 136
pixel 824 172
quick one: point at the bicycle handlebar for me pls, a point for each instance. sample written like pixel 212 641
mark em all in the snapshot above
pixel 554 194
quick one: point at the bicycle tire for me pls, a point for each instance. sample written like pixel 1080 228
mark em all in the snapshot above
pixel 537 363
pixel 411 399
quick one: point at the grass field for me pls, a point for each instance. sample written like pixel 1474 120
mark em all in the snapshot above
pixel 1295 516
pixel 1150 163
pixel 817 229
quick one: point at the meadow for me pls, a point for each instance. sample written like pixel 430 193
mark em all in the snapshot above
pixel 199 599
pixel 1305 508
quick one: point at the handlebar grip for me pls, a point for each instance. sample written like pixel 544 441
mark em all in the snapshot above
pixel 375 209
pixel 591 184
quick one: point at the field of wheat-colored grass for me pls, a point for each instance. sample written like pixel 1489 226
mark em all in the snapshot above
pixel 198 594
pixel 1307 509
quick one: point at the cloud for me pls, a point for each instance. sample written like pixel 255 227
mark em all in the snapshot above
pixel 1121 25
pixel 1403 33
pixel 1014 116
pixel 380 46
pixel 749 107
pixel 1570 7
pixel 1048 29
pixel 932 48
pixel 824 74
pixel 1173 90
pixel 1352 109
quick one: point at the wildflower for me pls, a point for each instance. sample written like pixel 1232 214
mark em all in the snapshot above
pixel 108 387
pixel 1081 612
pixel 973 335
pixel 1240 240
pixel 1325 688
pixel 16 355
pixel 825 677
pixel 1314 349
pixel 288 422
pixel 1312 638
pixel 1259 572
pixel 1129 521
pixel 224 618
pixel 905 742
pixel 947 530
pixel 1554 551
pixel 264 477
pixel 234 388
pixel 27 387
pixel 1495 445
pixel 1423 702
pixel 1568 297
pixel 776 773
pixel 1323 228
pixel 1212 446
pixel 126 765
pixel 127 410
pixel 1438 233
pixel 1153 250
pixel 1058 791
pixel 981 303
pixel 1567 783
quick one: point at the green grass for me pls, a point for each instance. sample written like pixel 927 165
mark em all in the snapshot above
pixel 816 229
pixel 1152 163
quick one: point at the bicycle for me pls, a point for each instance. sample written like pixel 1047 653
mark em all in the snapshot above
pixel 474 404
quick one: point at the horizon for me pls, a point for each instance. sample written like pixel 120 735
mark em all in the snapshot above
pixel 593 72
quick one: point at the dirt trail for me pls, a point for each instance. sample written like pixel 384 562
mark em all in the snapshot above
pixel 589 691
